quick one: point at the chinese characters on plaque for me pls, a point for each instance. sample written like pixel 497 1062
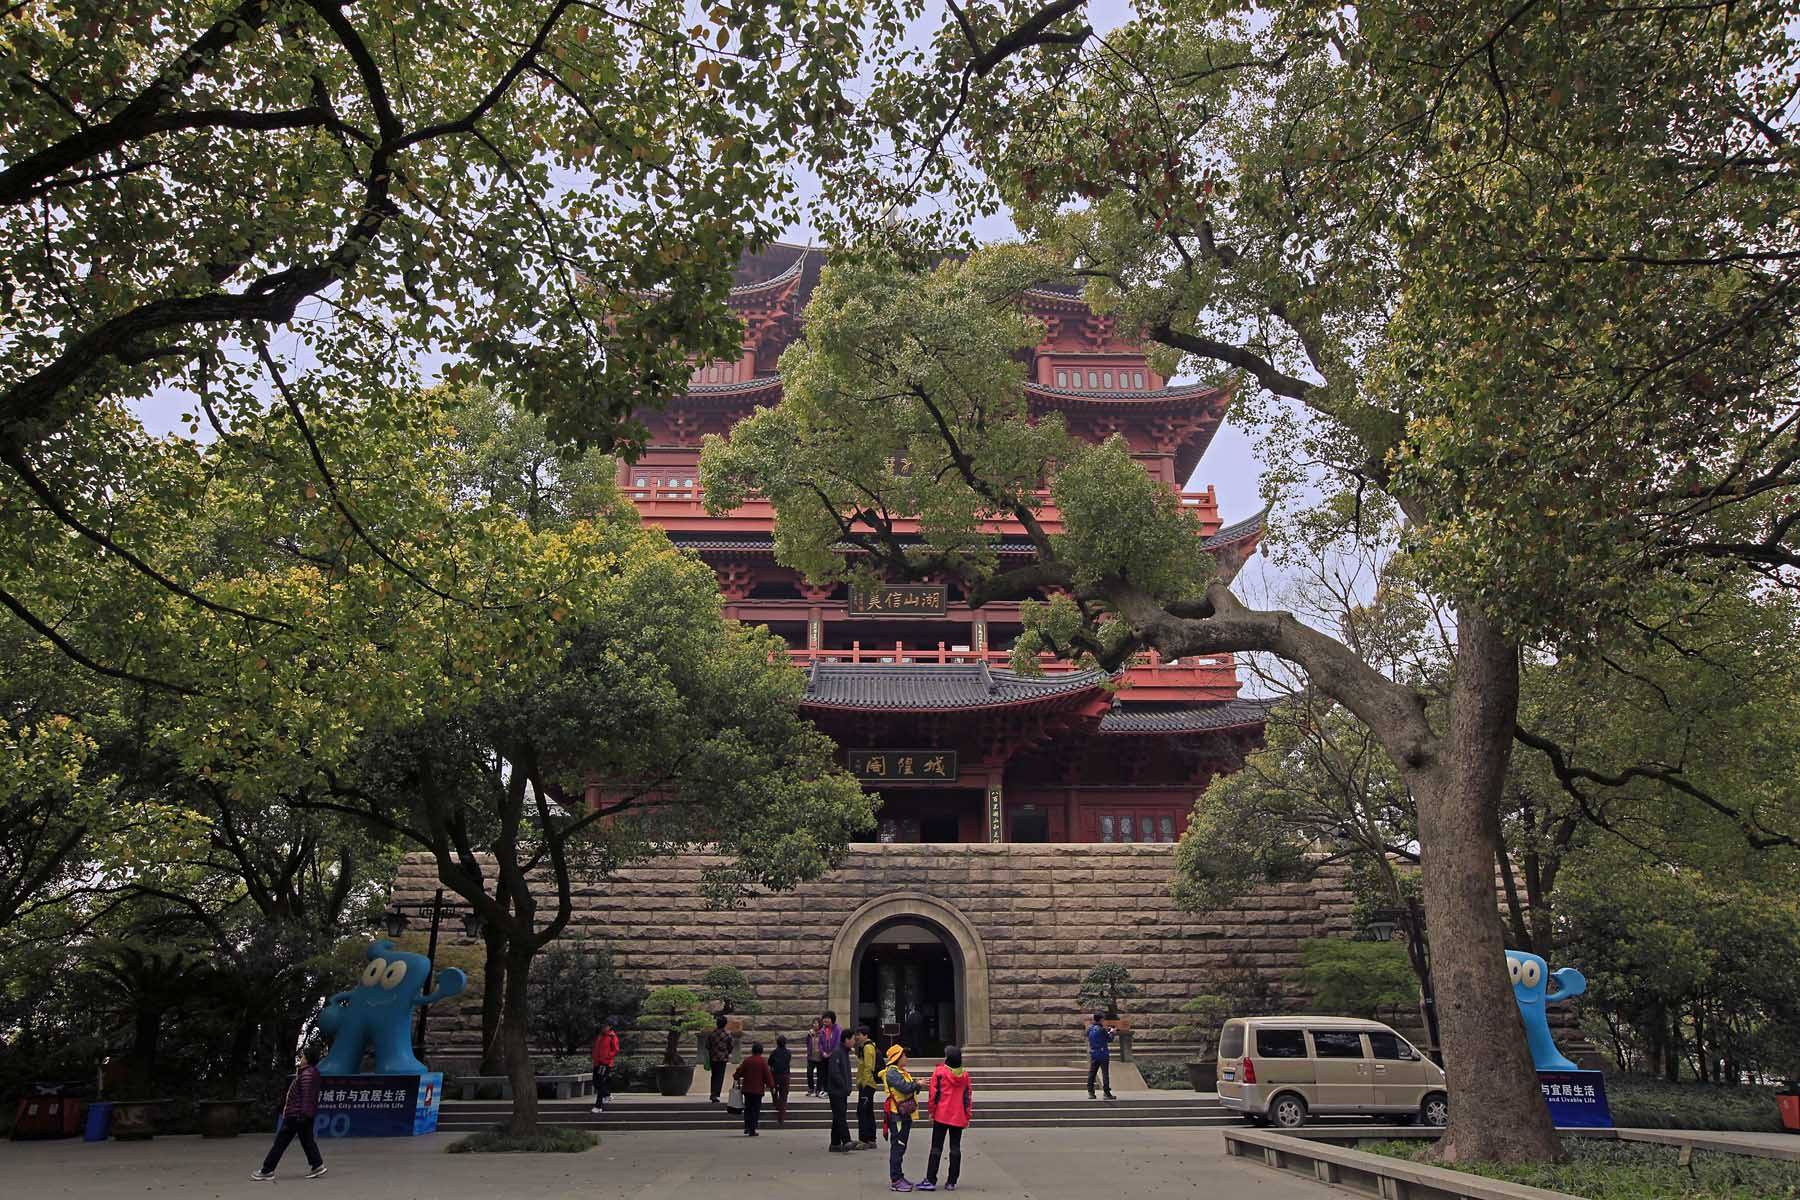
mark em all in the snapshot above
pixel 904 599
pixel 903 766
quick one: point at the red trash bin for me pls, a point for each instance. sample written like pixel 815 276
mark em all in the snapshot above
pixel 47 1117
pixel 1789 1103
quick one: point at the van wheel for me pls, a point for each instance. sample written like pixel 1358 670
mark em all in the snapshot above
pixel 1436 1109
pixel 1288 1112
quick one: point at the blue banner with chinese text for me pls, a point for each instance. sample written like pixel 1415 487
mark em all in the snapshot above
pixel 379 1105
pixel 1577 1099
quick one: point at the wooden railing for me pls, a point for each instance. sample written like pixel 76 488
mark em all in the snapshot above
pixel 666 498
pixel 943 654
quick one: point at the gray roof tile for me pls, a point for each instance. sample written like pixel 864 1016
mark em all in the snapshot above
pixel 950 686
pixel 1169 718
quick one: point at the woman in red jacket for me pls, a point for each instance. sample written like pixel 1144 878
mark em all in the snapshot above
pixel 754 1076
pixel 951 1104
pixel 606 1049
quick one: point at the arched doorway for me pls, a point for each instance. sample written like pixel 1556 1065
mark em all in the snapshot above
pixel 943 965
pixel 905 985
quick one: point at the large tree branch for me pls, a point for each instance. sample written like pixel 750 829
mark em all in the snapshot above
pixel 1571 777
pixel 144 114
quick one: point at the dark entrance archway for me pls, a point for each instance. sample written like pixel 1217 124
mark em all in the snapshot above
pixel 907 984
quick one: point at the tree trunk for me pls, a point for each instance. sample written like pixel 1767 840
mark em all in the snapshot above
pixel 493 997
pixel 515 1044
pixel 1497 1110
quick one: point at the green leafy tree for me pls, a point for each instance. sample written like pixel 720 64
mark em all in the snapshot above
pixel 1105 986
pixel 1267 198
pixel 574 992
pixel 561 193
pixel 676 1011
pixel 729 990
pixel 1357 979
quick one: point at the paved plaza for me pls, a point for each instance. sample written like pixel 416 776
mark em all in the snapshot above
pixel 1002 1164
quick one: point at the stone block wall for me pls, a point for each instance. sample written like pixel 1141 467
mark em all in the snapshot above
pixel 1043 915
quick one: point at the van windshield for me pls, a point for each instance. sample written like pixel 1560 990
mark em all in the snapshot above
pixel 1231 1042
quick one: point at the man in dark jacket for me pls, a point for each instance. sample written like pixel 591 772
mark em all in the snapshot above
pixel 719 1045
pixel 838 1082
pixel 1100 1055
pixel 297 1114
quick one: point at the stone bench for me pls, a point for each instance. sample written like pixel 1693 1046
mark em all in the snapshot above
pixel 562 1087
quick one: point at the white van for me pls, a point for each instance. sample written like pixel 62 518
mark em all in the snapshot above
pixel 1281 1070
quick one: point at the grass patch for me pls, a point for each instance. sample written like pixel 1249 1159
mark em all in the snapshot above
pixel 551 1139
pixel 1600 1169
pixel 1639 1102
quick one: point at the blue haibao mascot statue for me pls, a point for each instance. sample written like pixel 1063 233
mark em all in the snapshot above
pixel 379 1012
pixel 1532 977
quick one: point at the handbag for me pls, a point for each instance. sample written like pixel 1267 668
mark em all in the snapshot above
pixel 907 1107
pixel 734 1100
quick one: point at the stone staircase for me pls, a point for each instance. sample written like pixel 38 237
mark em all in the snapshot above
pixel 649 1114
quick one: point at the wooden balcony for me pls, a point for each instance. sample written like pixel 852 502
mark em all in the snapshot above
pixel 673 505
pixel 1148 679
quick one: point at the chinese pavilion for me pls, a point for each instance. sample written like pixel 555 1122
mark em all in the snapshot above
pixel 914 684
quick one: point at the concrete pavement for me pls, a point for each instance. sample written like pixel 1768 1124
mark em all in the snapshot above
pixel 1001 1164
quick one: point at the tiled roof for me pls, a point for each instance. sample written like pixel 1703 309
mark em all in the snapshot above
pixel 1236 532
pixel 887 687
pixel 1170 718
pixel 1181 391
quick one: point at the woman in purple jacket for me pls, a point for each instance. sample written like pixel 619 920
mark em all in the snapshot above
pixel 297 1119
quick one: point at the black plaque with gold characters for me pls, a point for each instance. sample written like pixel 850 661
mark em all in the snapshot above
pixel 904 766
pixel 900 600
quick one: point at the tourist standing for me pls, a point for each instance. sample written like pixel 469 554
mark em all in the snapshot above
pixel 829 1037
pixel 719 1045
pixel 1100 1055
pixel 862 1046
pixel 902 1102
pixel 297 1113
pixel 606 1049
pixel 951 1103
pixel 754 1077
pixel 839 1079
pixel 815 1061
pixel 781 1064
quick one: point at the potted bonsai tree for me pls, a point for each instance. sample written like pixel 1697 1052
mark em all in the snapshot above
pixel 1205 1014
pixel 1103 988
pixel 677 1010
pixel 726 991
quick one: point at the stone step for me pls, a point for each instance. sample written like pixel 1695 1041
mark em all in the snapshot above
pixel 806 1114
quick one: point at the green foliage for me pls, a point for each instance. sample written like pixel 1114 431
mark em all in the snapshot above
pixel 1105 986
pixel 1642 1102
pixel 1602 1169
pixel 729 989
pixel 1206 1016
pixel 549 1139
pixel 1358 979
pixel 561 199
pixel 1686 971
pixel 575 991
pixel 677 1010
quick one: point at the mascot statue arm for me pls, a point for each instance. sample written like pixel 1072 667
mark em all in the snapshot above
pixel 1569 982
pixel 451 982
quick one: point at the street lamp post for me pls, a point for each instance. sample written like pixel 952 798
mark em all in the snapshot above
pixel 395 920
pixel 1381 926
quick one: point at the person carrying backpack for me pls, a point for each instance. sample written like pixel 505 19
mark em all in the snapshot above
pixel 297 1113
pixel 951 1104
